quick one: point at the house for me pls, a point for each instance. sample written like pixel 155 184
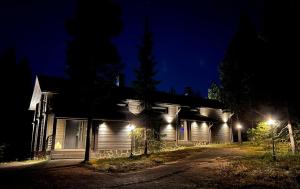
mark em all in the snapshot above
pixel 60 122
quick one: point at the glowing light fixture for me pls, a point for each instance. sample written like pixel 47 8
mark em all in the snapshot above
pixel 131 127
pixel 271 121
pixel 239 126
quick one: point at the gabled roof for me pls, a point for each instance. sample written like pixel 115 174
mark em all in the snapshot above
pixel 46 84
pixel 52 84
pixel 61 85
pixel 36 95
pixel 161 97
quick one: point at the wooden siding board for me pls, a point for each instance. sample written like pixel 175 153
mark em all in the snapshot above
pixel 220 133
pixel 169 131
pixel 199 132
pixel 114 135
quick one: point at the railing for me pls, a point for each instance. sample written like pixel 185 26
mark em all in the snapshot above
pixel 49 142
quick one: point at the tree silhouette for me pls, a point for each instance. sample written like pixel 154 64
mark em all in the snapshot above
pixel 23 85
pixel 259 71
pixel 16 126
pixel 8 63
pixel 93 62
pixel 214 92
pixel 145 84
pixel 188 91
pixel 239 66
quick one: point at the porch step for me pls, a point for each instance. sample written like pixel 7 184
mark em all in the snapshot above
pixel 67 154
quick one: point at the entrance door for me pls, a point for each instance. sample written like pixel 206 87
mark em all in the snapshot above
pixel 75 134
pixel 184 131
pixel 181 131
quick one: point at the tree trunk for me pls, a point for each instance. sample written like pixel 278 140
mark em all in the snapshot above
pixel 145 139
pixel 87 143
pixel 292 140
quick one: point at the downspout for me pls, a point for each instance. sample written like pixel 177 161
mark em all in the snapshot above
pixel 209 132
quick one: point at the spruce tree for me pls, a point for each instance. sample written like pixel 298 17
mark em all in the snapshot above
pixel 93 63
pixel 145 83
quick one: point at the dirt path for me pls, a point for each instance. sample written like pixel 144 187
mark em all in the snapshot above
pixel 196 171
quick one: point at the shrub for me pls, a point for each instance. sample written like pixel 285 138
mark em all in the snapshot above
pixel 261 134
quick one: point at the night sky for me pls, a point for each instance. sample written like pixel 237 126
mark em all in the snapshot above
pixel 190 36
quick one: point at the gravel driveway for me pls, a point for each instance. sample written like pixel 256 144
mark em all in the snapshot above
pixel 196 171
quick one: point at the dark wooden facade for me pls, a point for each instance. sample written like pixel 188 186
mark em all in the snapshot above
pixel 61 134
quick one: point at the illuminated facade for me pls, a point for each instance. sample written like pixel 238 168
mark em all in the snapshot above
pixel 59 127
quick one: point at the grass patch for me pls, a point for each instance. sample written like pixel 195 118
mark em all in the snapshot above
pixel 258 168
pixel 141 161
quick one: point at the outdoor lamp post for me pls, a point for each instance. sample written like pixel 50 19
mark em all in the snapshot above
pixel 271 122
pixel 239 128
pixel 131 128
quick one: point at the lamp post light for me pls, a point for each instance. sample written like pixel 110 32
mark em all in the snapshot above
pixel 239 128
pixel 131 128
pixel 271 122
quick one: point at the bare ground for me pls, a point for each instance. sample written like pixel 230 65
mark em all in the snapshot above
pixel 199 170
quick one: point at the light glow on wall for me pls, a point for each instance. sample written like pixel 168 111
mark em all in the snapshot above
pixel 194 124
pixel 169 119
pixel 204 124
pixel 102 126
pixel 169 126
pixel 225 116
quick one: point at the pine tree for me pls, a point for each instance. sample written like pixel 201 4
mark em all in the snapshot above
pixel 214 92
pixel 23 85
pixel 239 67
pixel 93 62
pixel 17 80
pixel 145 84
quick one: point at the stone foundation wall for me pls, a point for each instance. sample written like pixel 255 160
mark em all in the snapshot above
pixel 116 153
